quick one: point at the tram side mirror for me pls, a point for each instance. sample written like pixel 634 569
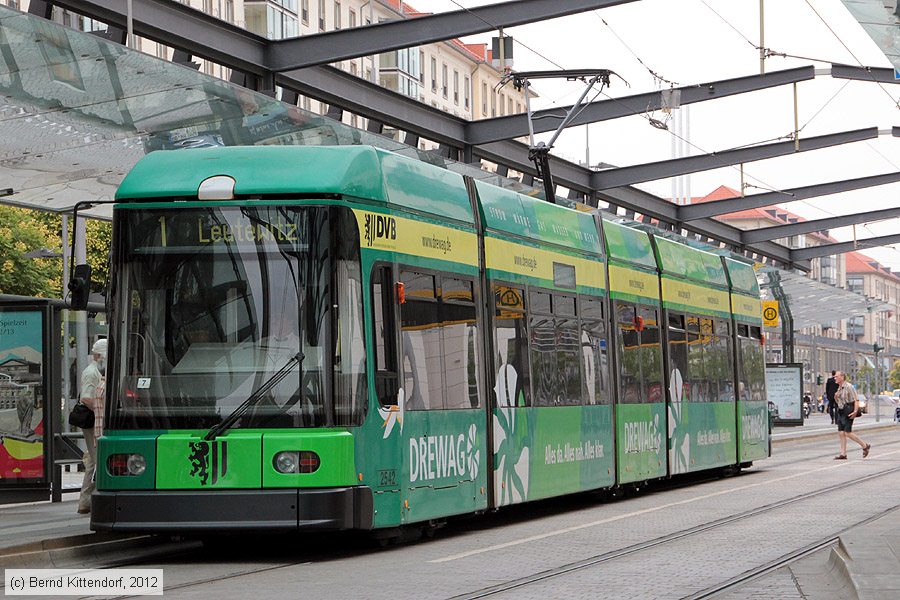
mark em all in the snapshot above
pixel 80 287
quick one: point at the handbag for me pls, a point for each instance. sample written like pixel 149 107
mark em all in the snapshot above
pixel 81 416
pixel 849 409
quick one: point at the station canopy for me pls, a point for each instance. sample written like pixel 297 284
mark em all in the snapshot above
pixel 77 112
pixel 812 302
pixel 881 20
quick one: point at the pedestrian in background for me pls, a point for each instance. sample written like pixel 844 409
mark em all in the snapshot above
pixel 92 396
pixel 847 404
pixel 831 387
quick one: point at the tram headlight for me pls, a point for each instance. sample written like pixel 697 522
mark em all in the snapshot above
pixel 136 464
pixel 303 461
pixel 125 465
pixel 287 462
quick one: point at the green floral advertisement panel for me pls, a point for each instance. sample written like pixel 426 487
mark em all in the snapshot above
pixel 753 430
pixel 628 244
pixel 443 458
pixel 702 435
pixel 641 452
pixel 543 452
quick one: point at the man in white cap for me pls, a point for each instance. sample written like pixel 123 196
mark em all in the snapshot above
pixel 92 396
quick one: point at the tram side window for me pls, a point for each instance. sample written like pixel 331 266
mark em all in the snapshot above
pixel 386 382
pixel 743 389
pixel 678 356
pixel 710 360
pixel 423 371
pixel 725 357
pixel 695 360
pixel 755 365
pixel 511 344
pixel 595 363
pixel 349 363
pixel 651 354
pixel 544 365
pixel 628 343
pixel 567 347
pixel 459 343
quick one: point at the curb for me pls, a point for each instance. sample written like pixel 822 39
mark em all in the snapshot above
pixel 838 563
pixel 794 436
pixel 88 550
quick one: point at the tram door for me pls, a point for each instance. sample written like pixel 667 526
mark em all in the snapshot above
pixel 443 419
pixel 385 459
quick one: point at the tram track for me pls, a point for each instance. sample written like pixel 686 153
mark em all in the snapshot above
pixel 780 562
pixel 191 547
pixel 691 531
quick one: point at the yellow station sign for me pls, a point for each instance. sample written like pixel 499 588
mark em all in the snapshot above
pixel 770 313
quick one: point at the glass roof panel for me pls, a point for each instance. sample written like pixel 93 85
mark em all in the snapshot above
pixel 78 111
pixel 815 303
pixel 881 20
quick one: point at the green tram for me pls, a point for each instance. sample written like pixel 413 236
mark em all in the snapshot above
pixel 323 338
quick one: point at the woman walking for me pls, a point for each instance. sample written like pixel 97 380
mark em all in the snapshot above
pixel 847 409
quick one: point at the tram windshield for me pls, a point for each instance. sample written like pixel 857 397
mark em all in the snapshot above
pixel 213 301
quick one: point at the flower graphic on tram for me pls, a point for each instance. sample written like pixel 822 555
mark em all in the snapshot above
pixel 393 414
pixel 473 453
pixel 680 452
pixel 511 458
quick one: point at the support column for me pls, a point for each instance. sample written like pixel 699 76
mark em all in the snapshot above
pixel 82 347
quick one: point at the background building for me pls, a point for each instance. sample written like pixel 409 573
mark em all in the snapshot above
pixel 847 343
pixel 454 77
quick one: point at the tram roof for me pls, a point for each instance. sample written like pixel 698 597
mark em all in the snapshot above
pixel 742 277
pixel 357 171
pixel 535 219
pixel 682 261
pixel 628 245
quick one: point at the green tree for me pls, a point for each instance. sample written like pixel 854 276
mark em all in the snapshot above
pixel 894 376
pixel 864 377
pixel 22 231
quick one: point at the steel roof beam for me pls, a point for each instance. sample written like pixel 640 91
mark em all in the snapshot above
pixel 843 247
pixel 784 231
pixel 515 155
pixel 333 86
pixel 680 166
pixel 323 48
pixel 724 207
pixel 513 126
pixel 202 35
pixel 875 74
pixel 183 28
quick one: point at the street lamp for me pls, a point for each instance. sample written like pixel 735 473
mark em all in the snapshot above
pixel 876 348
pixel 43 253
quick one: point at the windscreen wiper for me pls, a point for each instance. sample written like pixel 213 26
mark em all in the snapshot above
pixel 261 391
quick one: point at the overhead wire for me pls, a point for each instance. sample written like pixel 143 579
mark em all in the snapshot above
pixel 770 52
pixel 658 77
pixel 653 73
pixel 727 22
pixel 515 40
pixel 859 62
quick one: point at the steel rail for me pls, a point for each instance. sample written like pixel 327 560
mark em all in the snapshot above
pixel 640 547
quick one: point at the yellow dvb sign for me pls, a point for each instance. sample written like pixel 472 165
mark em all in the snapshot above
pixel 770 313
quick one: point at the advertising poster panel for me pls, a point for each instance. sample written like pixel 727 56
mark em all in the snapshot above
pixel 22 395
pixel 784 387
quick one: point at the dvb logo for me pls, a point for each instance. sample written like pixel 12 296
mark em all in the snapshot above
pixel 379 227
